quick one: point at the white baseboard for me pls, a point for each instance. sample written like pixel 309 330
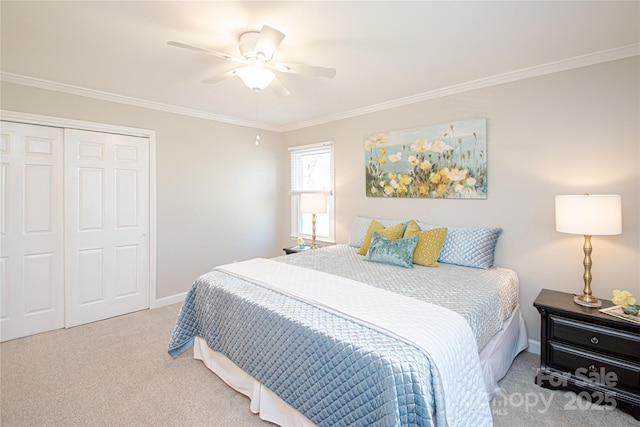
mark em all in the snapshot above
pixel 534 347
pixel 172 299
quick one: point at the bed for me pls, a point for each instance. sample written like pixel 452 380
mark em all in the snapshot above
pixel 329 337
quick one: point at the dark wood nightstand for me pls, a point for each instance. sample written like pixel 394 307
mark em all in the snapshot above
pixel 591 353
pixel 296 249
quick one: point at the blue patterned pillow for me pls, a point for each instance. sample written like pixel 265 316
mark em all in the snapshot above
pixel 395 252
pixel 468 246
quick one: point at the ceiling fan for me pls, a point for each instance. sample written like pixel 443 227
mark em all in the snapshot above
pixel 257 70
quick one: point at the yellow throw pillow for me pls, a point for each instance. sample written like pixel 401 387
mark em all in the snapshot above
pixel 429 245
pixel 393 233
pixel 412 228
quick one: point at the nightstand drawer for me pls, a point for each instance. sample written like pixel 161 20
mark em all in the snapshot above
pixel 594 368
pixel 595 337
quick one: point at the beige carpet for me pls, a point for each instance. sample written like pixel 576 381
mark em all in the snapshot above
pixel 117 373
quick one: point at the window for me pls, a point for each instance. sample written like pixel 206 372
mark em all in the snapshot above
pixel 312 172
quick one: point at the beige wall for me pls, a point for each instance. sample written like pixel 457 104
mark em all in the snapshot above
pixel 218 195
pixel 567 133
pixel 220 198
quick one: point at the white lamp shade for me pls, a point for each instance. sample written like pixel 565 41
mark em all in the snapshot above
pixel 313 203
pixel 256 76
pixel 589 215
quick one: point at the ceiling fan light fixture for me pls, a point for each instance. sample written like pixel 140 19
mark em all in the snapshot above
pixel 256 76
pixel 256 52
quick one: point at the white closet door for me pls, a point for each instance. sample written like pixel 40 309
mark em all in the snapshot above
pixel 106 225
pixel 31 230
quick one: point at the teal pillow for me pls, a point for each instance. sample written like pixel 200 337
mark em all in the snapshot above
pixel 395 252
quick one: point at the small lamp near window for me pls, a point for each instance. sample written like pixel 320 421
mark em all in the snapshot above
pixel 313 203
pixel 589 215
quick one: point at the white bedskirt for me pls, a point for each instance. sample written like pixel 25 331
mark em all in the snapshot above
pixel 495 359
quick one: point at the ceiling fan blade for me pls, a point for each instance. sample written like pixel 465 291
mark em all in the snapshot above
pixel 219 77
pixel 278 88
pixel 308 70
pixel 268 41
pixel 207 51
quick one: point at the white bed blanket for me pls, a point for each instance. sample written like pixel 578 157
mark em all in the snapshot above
pixel 443 335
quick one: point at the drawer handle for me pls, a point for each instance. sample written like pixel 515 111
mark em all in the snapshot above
pixel 594 340
pixel 593 368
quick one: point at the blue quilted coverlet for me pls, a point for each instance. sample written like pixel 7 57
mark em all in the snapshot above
pixel 333 370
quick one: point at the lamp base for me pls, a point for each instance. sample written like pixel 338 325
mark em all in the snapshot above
pixel 313 232
pixel 587 301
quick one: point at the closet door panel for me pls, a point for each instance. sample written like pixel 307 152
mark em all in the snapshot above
pixel 107 225
pixel 90 199
pixel 39 282
pixel 31 230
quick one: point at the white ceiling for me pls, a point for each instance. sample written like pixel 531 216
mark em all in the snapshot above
pixel 385 53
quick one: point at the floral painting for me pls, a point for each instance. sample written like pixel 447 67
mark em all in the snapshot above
pixel 446 161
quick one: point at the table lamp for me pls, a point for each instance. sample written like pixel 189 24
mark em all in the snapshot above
pixel 589 215
pixel 313 203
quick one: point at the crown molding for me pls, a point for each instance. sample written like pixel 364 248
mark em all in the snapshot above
pixel 525 73
pixel 522 74
pixel 137 102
